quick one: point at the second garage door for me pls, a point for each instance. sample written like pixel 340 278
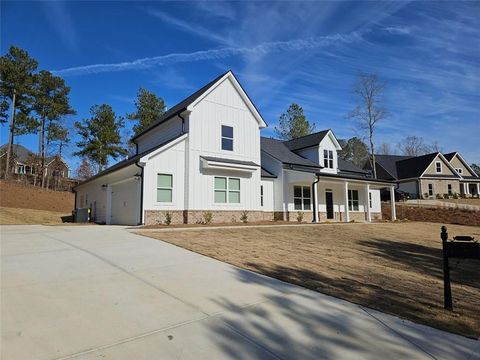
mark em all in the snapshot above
pixel 125 204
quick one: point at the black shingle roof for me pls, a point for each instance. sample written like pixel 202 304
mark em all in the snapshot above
pixel 347 166
pixel 306 141
pixel 267 174
pixel 281 152
pixel 389 163
pixel 414 167
pixel 449 156
pixel 182 105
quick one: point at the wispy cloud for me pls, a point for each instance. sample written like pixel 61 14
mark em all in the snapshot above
pixel 186 26
pixel 398 30
pixel 61 20
pixel 212 54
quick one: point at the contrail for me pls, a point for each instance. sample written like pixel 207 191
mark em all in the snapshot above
pixel 213 54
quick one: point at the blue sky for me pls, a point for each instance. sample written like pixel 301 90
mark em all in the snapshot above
pixel 282 52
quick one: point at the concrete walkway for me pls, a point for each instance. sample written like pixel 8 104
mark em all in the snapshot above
pixel 99 292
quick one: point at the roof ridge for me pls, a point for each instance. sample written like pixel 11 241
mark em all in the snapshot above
pixel 304 136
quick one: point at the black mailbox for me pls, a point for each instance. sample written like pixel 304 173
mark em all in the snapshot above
pixel 461 247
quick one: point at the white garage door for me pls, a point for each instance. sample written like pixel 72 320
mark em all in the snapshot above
pixel 124 203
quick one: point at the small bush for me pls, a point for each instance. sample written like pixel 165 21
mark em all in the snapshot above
pixel 277 216
pixel 168 218
pixel 207 217
pixel 455 196
pixel 438 196
pixel 446 196
pixel 300 216
pixel 244 216
pixel 426 196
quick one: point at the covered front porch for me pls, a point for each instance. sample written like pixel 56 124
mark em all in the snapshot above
pixel 334 198
pixel 470 187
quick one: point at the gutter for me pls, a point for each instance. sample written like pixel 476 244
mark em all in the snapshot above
pixel 315 199
pixel 141 191
pixel 183 122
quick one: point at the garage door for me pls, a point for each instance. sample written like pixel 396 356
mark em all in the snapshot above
pixel 124 203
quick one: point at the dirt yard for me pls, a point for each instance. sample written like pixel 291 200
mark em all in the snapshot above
pixel 16 195
pixel 394 267
pixel 14 216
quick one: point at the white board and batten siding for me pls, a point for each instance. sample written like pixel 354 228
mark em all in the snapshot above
pixel 223 105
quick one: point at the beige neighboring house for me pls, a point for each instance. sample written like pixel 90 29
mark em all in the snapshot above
pixel 429 176
pixel 470 181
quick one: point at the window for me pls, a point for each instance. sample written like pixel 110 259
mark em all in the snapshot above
pixel 370 199
pixel 164 188
pixel 86 200
pixel 227 190
pixel 430 189
pixel 459 170
pixel 20 169
pixel 227 138
pixel 449 187
pixel 261 195
pixel 438 167
pixel 328 159
pixel 301 197
pixel 353 200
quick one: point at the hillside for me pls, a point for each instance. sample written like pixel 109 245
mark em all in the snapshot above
pixel 16 195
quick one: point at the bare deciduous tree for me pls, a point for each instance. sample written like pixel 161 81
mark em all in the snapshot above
pixel 413 146
pixel 369 90
pixel 384 149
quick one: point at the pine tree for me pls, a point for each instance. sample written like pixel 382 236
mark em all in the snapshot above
pixel 293 124
pixel 16 87
pixel 149 108
pixel 100 135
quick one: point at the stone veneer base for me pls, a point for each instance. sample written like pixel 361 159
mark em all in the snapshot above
pixel 155 217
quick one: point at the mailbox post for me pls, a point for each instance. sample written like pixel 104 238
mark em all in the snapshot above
pixel 461 247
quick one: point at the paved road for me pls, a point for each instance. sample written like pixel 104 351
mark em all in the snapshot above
pixel 99 292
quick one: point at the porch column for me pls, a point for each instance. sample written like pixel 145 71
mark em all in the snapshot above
pixel 465 188
pixel 347 216
pixel 367 203
pixel 315 200
pixel 392 203
pixel 478 189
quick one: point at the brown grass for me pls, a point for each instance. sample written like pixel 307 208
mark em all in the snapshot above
pixel 17 195
pixel 463 201
pixel 14 216
pixel 395 268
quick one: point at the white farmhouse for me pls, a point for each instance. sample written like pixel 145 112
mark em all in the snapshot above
pixel 205 158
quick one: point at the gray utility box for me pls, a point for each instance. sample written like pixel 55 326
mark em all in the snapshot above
pixel 82 215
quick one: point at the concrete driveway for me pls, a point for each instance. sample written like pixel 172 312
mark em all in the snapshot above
pixel 99 292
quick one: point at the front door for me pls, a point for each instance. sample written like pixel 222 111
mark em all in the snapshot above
pixel 329 203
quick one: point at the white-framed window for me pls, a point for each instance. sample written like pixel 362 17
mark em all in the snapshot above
pixel 302 197
pixel 438 167
pixel 353 200
pixel 370 200
pixel 430 189
pixel 459 170
pixel 20 169
pixel 328 159
pixel 261 195
pixel 227 190
pixel 449 189
pixel 164 188
pixel 227 138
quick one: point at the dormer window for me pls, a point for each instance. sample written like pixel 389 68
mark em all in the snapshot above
pixel 227 138
pixel 459 170
pixel 438 167
pixel 328 159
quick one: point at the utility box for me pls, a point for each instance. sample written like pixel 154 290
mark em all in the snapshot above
pixel 81 215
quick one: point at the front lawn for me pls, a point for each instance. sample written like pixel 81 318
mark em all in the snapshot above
pixel 395 268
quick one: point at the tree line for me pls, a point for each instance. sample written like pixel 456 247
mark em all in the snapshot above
pixel 34 101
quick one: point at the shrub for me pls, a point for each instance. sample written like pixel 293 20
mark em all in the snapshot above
pixel 455 196
pixel 438 196
pixel 244 216
pixel 277 216
pixel 207 217
pixel 168 218
pixel 446 196
pixel 425 196
pixel 300 216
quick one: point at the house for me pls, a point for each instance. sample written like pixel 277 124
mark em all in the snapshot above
pixel 204 158
pixel 28 164
pixel 429 176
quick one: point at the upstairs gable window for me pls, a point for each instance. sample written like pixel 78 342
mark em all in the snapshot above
pixel 328 159
pixel 438 167
pixel 460 171
pixel 227 138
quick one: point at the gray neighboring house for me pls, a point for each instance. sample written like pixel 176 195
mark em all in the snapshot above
pixel 429 176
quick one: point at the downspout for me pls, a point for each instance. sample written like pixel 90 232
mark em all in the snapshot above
pixel 183 123
pixel 141 190
pixel 315 199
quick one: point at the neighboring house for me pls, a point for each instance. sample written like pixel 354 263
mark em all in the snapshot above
pixel 205 157
pixel 25 162
pixel 429 176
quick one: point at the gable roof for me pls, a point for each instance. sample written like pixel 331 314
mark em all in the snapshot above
pixel 450 156
pixel 278 150
pixel 307 140
pixel 188 101
pixel 389 163
pixel 20 151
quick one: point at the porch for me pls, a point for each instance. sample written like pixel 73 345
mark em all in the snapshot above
pixel 470 188
pixel 333 198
